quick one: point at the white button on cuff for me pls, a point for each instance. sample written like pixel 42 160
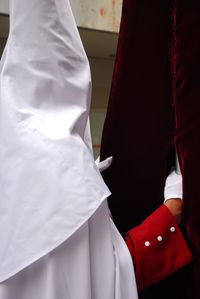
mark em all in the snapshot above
pixel 147 243
pixel 159 238
pixel 172 229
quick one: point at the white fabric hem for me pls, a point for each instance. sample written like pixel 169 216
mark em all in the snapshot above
pixel 40 255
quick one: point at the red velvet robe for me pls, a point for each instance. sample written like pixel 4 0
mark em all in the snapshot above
pixel 154 103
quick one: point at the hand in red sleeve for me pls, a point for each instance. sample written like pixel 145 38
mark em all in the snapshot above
pixel 157 247
pixel 175 207
pixel 173 194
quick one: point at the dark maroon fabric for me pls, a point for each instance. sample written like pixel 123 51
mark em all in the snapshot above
pixel 139 126
pixel 156 79
pixel 187 137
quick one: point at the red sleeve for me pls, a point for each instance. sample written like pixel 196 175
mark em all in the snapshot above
pixel 157 247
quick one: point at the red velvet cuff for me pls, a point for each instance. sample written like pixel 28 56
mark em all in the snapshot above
pixel 157 247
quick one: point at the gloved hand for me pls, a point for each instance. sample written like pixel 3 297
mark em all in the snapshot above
pixel 173 186
pixel 103 165
pixel 173 195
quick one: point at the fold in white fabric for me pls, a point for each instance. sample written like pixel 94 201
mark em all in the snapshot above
pixel 105 164
pixel 50 185
pixel 83 267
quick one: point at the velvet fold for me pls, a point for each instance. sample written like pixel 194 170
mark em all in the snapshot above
pixel 154 108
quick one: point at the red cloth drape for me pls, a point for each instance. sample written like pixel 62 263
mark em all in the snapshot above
pixel 154 100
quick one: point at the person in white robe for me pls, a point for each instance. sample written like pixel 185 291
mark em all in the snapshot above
pixel 57 238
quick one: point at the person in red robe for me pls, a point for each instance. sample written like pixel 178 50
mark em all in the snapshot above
pixel 157 246
pixel 154 111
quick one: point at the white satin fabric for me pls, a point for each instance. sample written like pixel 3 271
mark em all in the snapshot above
pixel 94 263
pixel 57 238
pixel 50 185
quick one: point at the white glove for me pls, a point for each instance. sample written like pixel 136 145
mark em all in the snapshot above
pixel 173 186
pixel 105 164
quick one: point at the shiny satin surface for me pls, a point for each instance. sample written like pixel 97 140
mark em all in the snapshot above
pixel 94 263
pixel 49 182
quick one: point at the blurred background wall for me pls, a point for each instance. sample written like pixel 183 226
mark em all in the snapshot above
pixel 98 22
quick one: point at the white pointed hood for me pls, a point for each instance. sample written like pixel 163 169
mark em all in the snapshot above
pixel 49 182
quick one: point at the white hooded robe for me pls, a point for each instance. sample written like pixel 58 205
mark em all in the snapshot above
pixel 53 208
